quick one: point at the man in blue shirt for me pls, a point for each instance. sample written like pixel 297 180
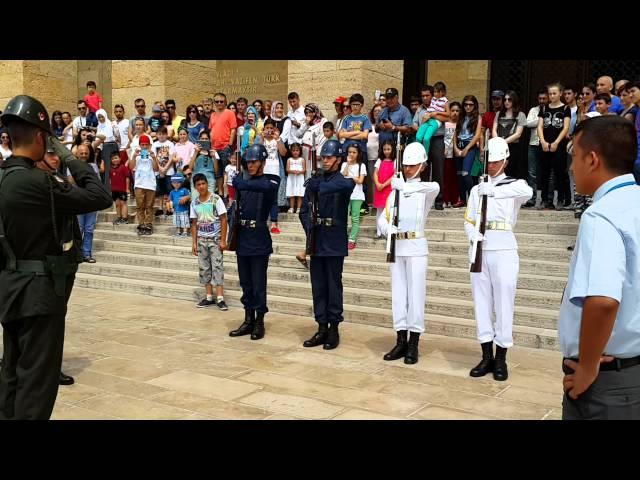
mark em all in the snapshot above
pixel 605 85
pixel 599 324
pixel 356 126
pixel 394 118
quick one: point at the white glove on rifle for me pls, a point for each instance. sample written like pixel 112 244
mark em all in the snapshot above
pixel 475 235
pixel 397 183
pixel 486 188
pixel 392 229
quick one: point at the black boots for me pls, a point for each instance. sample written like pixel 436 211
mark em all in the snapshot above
pixel 319 337
pixel 411 356
pixel 333 337
pixel 400 348
pixel 486 365
pixel 258 327
pixel 247 326
pixel 66 379
pixel 500 364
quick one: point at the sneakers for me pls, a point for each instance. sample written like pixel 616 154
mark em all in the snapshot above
pixel 89 260
pixel 275 230
pixel 222 305
pixel 204 303
pixel 351 245
pixel 290 210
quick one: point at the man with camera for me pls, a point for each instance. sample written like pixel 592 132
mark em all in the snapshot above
pixel 39 256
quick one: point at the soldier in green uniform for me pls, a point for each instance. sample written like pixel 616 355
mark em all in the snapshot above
pixel 39 257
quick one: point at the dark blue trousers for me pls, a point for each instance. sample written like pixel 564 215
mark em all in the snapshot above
pixel 326 288
pixel 252 271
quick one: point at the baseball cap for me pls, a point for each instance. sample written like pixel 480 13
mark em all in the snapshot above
pixel 497 94
pixel 156 108
pixel 144 139
pixel 340 100
pixel 391 92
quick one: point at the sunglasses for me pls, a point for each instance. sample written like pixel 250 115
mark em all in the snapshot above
pixel 82 108
pixel 507 99
pixel 193 111
pixel 219 101
pixel 172 107
pixel 469 105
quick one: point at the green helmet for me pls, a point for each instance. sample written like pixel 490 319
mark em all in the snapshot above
pixel 29 110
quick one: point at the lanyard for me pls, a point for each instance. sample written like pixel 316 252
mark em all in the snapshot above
pixel 625 184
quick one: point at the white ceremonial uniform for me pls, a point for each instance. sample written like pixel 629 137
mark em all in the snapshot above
pixel 409 272
pixel 494 288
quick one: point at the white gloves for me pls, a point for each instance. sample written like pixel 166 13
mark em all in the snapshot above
pixel 397 183
pixel 392 229
pixel 477 235
pixel 486 188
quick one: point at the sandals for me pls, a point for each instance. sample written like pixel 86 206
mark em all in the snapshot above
pixel 303 261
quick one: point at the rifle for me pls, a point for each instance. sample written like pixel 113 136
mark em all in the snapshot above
pixel 481 221
pixel 391 238
pixel 310 248
pixel 233 231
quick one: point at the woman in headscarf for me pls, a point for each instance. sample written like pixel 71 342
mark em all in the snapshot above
pixel 250 131
pixel 283 123
pixel 312 125
pixel 106 134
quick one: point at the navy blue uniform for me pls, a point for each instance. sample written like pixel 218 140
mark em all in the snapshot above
pixel 257 194
pixel 334 192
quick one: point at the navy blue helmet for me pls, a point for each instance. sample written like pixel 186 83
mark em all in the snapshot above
pixel 332 148
pixel 256 152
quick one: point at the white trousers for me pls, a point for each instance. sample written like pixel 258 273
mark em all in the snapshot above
pixel 409 291
pixel 494 290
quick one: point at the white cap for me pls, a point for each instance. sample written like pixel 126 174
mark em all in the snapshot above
pixel 414 154
pixel 593 114
pixel 498 149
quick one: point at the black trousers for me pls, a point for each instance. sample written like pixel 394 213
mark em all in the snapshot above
pixel 556 161
pixel 436 158
pixel 30 374
pixel 252 271
pixel 613 396
pixel 31 371
pixel 326 288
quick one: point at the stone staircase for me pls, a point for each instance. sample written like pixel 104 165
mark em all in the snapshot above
pixel 162 265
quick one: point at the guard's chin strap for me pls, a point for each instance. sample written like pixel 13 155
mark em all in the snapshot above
pixel 504 162
pixel 47 164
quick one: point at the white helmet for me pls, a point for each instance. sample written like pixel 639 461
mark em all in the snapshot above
pixel 414 154
pixel 498 149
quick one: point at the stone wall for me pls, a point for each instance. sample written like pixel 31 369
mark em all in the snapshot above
pixel 462 77
pixel 131 79
pixel 11 80
pixel 53 82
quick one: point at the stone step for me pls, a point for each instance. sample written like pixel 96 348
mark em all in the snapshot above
pixel 457 302
pixel 354 264
pixel 368 228
pixel 296 233
pixel 361 275
pixel 372 250
pixel 524 214
pixel 436 324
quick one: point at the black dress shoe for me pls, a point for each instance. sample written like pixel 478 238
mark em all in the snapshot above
pixel 258 327
pixel 333 337
pixel 319 337
pixel 400 349
pixel 66 379
pixel 247 326
pixel 439 206
pixel 486 364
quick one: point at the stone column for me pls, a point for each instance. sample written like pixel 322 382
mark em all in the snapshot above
pixel 322 81
pixel 462 77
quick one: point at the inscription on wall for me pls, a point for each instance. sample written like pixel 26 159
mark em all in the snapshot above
pixel 263 79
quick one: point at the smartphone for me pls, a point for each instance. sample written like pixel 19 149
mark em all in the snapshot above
pixel 204 144
pixel 378 92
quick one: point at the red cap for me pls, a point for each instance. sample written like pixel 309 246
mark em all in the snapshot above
pixel 340 100
pixel 144 139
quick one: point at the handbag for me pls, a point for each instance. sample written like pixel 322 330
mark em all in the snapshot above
pixel 477 167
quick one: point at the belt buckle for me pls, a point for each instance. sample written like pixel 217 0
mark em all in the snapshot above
pixel 328 222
